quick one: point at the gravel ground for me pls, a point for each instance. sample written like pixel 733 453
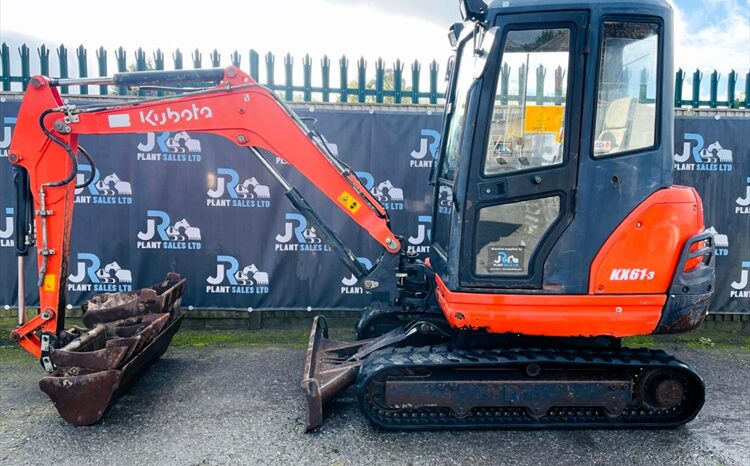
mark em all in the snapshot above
pixel 221 405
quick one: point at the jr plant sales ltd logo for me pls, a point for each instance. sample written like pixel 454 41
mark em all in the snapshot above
pixel 233 278
pixel 229 190
pixel 169 147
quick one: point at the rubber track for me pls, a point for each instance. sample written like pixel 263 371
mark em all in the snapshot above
pixel 630 361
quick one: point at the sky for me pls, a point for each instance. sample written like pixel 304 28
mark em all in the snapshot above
pixel 709 33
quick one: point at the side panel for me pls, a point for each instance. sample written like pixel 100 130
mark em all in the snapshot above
pixel 641 255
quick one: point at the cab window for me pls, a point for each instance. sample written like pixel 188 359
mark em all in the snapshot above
pixel 628 88
pixel 526 130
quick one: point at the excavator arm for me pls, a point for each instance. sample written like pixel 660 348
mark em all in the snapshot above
pixel 45 146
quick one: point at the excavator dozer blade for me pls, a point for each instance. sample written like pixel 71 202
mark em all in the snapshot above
pixel 99 366
pixel 327 370
pixel 332 365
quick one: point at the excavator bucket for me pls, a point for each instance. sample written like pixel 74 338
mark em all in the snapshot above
pixel 127 332
pixel 332 365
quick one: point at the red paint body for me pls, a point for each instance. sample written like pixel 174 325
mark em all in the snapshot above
pixel 650 238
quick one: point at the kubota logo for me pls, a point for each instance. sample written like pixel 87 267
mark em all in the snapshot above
pixel 232 278
pixel 227 191
pixel 739 288
pixel 297 237
pixel 429 144
pixel 6 229
pixel 348 284
pixel 161 234
pixel 699 158
pixel 108 190
pixel 168 148
pixel 6 134
pixel 89 275
pixel 168 115
pixel 631 274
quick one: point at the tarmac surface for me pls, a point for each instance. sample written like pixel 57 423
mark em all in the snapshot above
pixel 228 405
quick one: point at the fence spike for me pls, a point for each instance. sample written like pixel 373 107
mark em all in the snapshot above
pixel 254 65
pixel 62 55
pixel 344 79
pixel 177 59
pixel 325 70
pixel 83 71
pixel 197 58
pixel 215 58
pixel 270 60
pixel 288 77
pixel 679 80
pixel 5 66
pixel 122 66
pixel 43 53
pixel 236 58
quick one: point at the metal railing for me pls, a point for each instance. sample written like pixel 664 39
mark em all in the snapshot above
pixel 389 84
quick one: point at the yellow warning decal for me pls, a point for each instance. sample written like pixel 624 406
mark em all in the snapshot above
pixel 50 283
pixel 348 201
pixel 543 119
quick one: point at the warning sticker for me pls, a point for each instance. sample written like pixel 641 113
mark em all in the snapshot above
pixel 505 259
pixel 50 283
pixel 348 201
pixel 543 119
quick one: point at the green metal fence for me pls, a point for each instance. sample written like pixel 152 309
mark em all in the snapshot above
pixel 389 85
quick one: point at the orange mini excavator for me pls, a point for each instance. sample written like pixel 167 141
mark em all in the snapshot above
pixel 557 231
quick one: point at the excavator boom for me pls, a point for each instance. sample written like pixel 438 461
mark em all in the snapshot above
pixel 250 115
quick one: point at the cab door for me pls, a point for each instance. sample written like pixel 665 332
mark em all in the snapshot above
pixel 521 177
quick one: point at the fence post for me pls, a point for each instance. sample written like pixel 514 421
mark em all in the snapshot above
pixel 140 64
pixel 288 77
pixel 25 66
pixel 197 59
pixel 643 90
pixel 270 61
pixel 254 65
pixel 433 81
pixel 122 66
pixel 159 65
pixel 236 58
pixel 344 77
pixel 559 80
pixel 504 83
pixel 325 69
pixel 83 67
pixel 747 90
pixel 541 74
pixel 713 99
pixel 101 60
pixel 215 59
pixel 177 59
pixel 522 83
pixel 379 80
pixel 307 78
pixel 696 101
pixel 5 63
pixel 43 52
pixel 731 84
pixel 62 54
pixel 415 68
pixel 679 80
pixel 361 79
pixel 398 69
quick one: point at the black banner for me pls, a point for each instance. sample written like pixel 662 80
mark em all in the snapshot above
pixel 199 205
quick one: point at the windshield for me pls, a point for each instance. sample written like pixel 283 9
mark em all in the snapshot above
pixel 464 80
